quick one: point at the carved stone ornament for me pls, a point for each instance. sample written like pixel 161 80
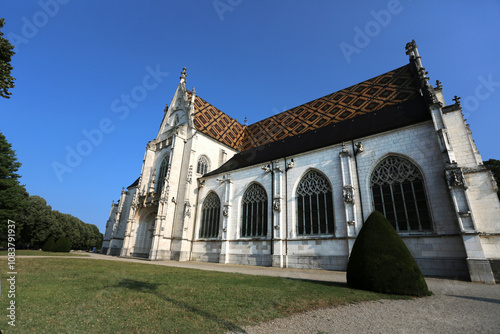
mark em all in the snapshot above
pixel 190 174
pixel 348 194
pixel 411 46
pixel 151 146
pixel 464 214
pixel 494 183
pixel 455 178
pixel 225 211
pixel 187 209
pixel 344 150
pixel 277 205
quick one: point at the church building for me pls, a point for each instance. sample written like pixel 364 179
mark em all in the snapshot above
pixel 294 189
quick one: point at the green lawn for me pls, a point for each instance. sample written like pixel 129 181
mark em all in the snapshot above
pixel 31 252
pixel 98 296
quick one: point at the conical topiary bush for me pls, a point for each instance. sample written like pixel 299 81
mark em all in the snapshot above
pixel 62 245
pixel 381 262
pixel 48 246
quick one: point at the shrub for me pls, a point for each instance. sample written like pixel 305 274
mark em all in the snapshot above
pixel 48 246
pixel 62 245
pixel 381 262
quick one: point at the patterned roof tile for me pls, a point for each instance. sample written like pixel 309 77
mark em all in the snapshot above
pixel 368 96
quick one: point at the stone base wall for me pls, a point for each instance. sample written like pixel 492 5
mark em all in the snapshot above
pixel 495 267
pixel 205 257
pixel 114 251
pixel 317 262
pixel 455 268
pixel 250 259
pixel 480 271
pixel 140 255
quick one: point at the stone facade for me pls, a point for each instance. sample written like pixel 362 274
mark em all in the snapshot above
pixel 164 215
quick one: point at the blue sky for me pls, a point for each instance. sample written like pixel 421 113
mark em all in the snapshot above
pixel 84 69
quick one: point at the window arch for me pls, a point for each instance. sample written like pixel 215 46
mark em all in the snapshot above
pixel 254 212
pixel 162 173
pixel 398 192
pixel 210 216
pixel 314 205
pixel 202 167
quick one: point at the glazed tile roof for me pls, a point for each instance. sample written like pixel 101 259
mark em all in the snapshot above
pixel 409 112
pixel 388 89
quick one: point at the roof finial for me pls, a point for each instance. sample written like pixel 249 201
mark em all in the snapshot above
pixel 438 85
pixel 183 75
pixel 412 52
pixel 411 46
pixel 245 121
pixel 457 100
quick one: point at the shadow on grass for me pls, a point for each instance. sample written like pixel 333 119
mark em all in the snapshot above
pixel 137 285
pixel 153 289
pixel 291 280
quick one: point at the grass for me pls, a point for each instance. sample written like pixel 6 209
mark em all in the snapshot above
pixel 98 296
pixel 31 252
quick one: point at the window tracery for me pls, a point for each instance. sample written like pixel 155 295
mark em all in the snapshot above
pixel 398 192
pixel 254 212
pixel 210 216
pixel 162 174
pixel 202 167
pixel 314 205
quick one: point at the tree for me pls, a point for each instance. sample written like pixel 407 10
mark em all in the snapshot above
pixel 381 262
pixel 6 53
pixel 12 193
pixel 37 221
pixel 494 166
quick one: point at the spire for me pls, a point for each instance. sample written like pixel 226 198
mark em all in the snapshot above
pixel 183 76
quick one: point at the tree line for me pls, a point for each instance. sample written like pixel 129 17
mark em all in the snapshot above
pixel 41 222
pixel 35 220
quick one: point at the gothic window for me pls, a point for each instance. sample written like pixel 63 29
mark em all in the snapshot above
pixel 254 212
pixel 210 216
pixel 398 192
pixel 202 165
pixel 161 175
pixel 314 205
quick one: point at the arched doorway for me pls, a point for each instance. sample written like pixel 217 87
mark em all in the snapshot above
pixel 144 235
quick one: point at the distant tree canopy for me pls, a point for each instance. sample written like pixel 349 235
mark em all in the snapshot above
pixel 6 53
pixel 494 166
pixel 35 220
pixel 12 193
pixel 41 223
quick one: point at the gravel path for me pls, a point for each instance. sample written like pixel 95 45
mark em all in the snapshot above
pixel 455 307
